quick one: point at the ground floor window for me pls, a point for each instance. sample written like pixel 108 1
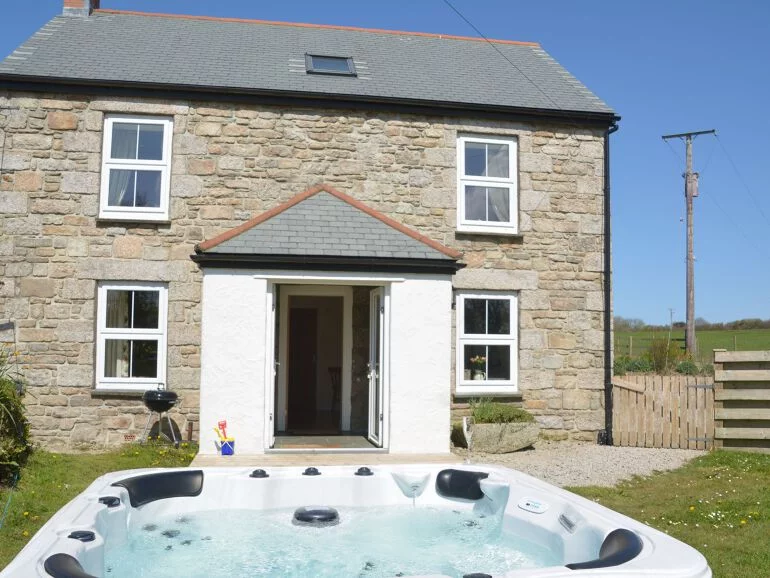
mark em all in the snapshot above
pixel 487 345
pixel 131 335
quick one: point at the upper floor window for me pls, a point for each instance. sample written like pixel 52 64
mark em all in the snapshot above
pixel 487 350
pixel 486 185
pixel 131 336
pixel 136 168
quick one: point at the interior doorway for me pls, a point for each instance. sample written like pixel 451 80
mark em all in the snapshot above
pixel 314 369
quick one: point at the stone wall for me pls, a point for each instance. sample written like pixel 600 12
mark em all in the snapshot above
pixel 232 161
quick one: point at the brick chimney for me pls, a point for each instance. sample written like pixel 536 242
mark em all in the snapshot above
pixel 79 7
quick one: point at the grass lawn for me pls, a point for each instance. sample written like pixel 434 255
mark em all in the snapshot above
pixel 743 339
pixel 51 480
pixel 719 504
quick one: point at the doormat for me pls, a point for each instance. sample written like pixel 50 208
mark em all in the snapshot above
pixel 307 446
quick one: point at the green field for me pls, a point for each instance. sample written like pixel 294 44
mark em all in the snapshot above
pixel 635 343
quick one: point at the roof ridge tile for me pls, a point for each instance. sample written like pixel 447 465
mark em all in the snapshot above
pixel 311 25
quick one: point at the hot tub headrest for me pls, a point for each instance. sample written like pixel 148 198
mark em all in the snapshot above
pixel 460 484
pixel 150 487
pixel 65 566
pixel 619 547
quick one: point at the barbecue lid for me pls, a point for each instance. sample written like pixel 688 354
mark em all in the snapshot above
pixel 159 395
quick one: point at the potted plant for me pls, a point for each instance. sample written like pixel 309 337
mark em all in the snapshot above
pixel 478 367
pixel 500 428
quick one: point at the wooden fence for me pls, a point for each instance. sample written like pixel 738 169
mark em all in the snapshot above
pixel 742 392
pixel 658 411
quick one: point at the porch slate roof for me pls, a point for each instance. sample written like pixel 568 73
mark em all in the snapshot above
pixel 323 222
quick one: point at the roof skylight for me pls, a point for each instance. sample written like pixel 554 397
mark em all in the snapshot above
pixel 319 64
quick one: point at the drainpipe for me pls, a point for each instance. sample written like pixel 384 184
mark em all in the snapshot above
pixel 605 437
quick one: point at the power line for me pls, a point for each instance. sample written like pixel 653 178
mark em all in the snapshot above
pixel 743 181
pixel 673 151
pixel 708 160
pixel 501 53
pixel 750 242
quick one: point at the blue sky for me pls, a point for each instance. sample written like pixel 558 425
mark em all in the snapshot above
pixel 666 67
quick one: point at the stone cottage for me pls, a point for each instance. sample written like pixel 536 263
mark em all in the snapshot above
pixel 303 230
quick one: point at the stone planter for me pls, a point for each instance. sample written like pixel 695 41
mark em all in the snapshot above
pixel 503 438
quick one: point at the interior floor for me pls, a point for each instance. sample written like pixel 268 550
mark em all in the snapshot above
pixel 352 442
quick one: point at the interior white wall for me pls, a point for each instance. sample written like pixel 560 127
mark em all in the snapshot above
pixel 233 359
pixel 420 363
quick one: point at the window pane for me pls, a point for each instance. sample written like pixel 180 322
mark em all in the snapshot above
pixel 147 189
pixel 499 317
pixel 499 362
pixel 145 358
pixel 124 140
pixel 146 309
pixel 117 353
pixel 475 203
pixel 151 142
pixel 499 206
pixel 475 312
pixel 474 358
pixel 118 309
pixel 121 188
pixel 475 159
pixel 497 160
pixel 330 63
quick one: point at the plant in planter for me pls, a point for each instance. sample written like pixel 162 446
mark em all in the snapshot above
pixel 478 365
pixel 499 428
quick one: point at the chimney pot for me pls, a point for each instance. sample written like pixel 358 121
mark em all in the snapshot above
pixel 79 7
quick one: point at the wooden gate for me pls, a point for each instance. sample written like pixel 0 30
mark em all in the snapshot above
pixel 661 411
pixel 742 400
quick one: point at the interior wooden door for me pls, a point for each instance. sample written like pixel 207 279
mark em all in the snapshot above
pixel 303 356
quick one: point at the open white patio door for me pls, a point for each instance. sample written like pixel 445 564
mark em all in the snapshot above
pixel 271 362
pixel 376 332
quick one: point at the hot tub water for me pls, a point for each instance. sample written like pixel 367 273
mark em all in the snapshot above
pixel 368 543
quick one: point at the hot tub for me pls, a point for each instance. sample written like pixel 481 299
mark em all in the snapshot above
pixel 416 520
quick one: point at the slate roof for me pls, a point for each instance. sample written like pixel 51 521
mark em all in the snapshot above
pixel 323 222
pixel 112 47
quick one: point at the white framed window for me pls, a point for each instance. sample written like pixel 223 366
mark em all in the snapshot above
pixel 487 344
pixel 487 185
pixel 131 335
pixel 136 168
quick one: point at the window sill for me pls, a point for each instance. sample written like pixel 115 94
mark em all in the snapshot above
pixel 495 231
pixel 112 221
pixel 121 393
pixel 487 390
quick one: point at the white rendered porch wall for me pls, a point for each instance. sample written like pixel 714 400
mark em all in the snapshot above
pixel 420 361
pixel 233 359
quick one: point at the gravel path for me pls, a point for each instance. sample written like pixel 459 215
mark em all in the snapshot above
pixel 586 464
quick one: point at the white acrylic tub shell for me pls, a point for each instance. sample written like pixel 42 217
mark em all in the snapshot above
pixel 568 524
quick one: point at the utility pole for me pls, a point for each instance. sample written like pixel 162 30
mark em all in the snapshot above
pixel 690 191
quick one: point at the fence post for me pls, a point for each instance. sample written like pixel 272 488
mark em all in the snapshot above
pixel 718 404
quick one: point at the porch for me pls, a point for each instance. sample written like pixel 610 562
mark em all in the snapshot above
pixel 326 327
